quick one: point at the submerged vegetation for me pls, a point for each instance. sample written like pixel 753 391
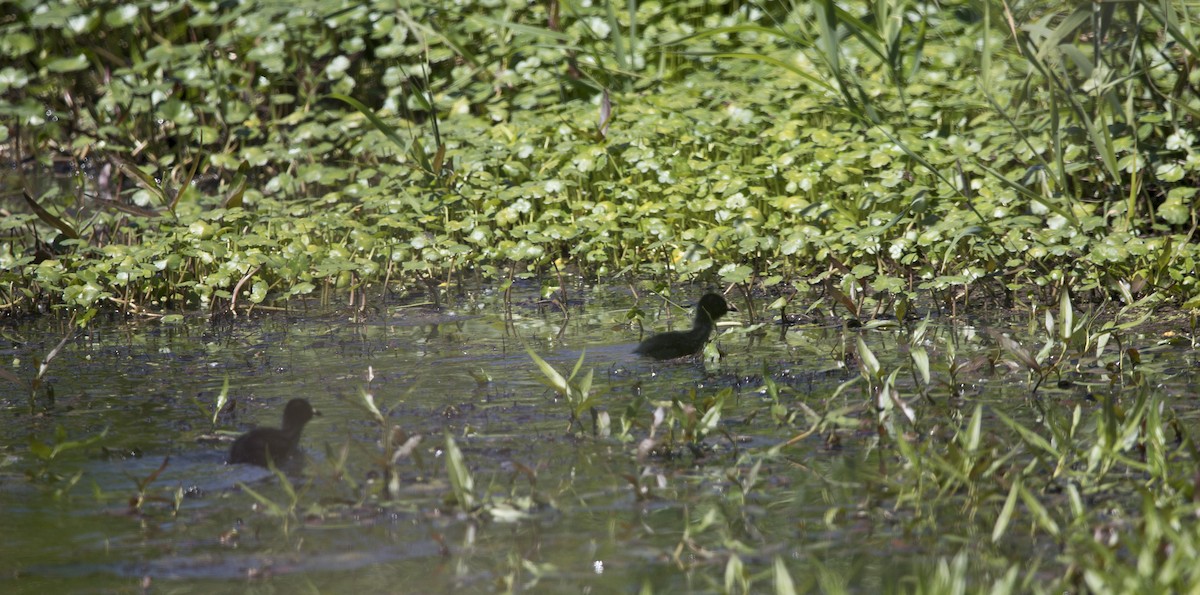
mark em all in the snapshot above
pixel 241 154
pixel 903 156
pixel 914 457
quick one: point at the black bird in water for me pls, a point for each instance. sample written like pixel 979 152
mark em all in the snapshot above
pixel 684 343
pixel 270 444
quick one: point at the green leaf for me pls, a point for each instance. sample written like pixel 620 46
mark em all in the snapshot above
pixel 461 482
pixel 1174 211
pixel 1066 316
pixel 711 417
pixel 222 398
pixel 1029 436
pixel 869 361
pixel 583 388
pixel 783 579
pixel 1040 514
pixel 552 378
pixel 402 145
pixel 144 179
pixel 974 430
pixel 238 188
pixel 920 359
pixel 50 219
pixel 40 449
pixel 1005 516
pixel 272 508
pixel 1015 349
pixel 72 64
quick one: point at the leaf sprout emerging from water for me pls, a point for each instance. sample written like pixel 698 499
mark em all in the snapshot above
pixel 575 393
pixel 396 444
pixel 285 509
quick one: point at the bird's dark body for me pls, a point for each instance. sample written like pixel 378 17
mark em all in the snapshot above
pixel 676 344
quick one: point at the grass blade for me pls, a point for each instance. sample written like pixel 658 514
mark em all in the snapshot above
pixel 50 219
pixel 402 145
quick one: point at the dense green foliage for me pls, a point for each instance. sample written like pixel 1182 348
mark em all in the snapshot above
pixel 899 146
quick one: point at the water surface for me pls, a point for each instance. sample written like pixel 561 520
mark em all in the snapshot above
pixel 564 511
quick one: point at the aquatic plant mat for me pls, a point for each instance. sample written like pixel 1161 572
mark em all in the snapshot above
pixel 493 446
pixel 197 155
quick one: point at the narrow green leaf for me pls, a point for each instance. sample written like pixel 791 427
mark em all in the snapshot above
pixel 1040 514
pixel 222 398
pixel 416 151
pixel 238 188
pixel 869 361
pixel 893 395
pixel 368 403
pixel 527 30
pixel 553 378
pixel 711 417
pixel 1066 316
pixel 284 482
pixel 578 363
pixel 582 390
pixel 975 430
pixel 402 145
pixel 273 509
pixel 187 181
pixel 1029 436
pixel 920 359
pixel 792 68
pixel 783 579
pixel 1027 193
pixel 461 482
pixel 1016 350
pixel 734 571
pixel 50 219
pixel 1010 504
pixel 143 179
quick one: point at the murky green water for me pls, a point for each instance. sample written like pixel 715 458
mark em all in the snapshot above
pixel 68 523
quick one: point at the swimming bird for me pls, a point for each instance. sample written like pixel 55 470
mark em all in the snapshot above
pixel 273 444
pixel 675 344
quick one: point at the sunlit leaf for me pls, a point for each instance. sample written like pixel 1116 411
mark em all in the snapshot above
pixel 461 482
pixel 783 579
pixel 1006 512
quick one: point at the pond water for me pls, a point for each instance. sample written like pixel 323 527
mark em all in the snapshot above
pixel 138 496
